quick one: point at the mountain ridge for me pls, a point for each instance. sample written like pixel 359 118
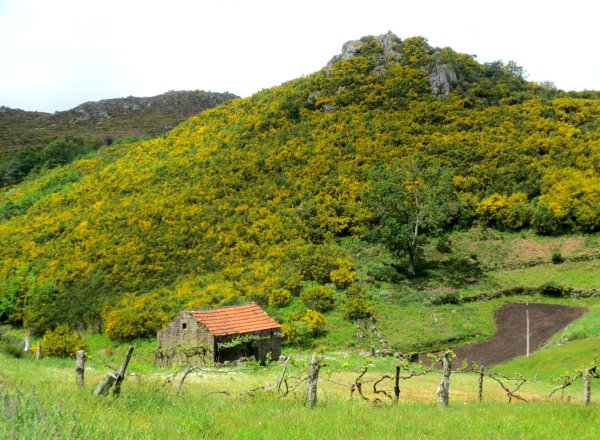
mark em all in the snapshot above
pixel 33 140
pixel 173 106
pixel 256 198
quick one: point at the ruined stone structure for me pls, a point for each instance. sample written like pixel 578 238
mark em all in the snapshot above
pixel 219 335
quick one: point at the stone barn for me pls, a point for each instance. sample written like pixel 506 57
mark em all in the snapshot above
pixel 219 335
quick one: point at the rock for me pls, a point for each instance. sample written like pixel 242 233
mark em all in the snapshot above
pixel 442 79
pixel 328 108
pixel 351 48
pixel 387 43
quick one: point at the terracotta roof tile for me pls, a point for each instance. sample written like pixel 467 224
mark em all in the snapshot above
pixel 230 320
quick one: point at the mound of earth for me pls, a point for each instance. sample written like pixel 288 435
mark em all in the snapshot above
pixel 510 339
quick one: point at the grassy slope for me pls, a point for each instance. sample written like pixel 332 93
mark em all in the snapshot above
pixel 407 321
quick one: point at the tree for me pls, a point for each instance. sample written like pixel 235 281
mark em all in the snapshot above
pixel 410 202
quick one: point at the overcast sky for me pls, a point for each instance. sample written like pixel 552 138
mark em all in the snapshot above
pixel 57 54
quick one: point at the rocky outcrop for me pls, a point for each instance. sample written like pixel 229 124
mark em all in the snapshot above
pixel 177 103
pixel 351 48
pixel 442 78
pixel 442 75
pixel 388 43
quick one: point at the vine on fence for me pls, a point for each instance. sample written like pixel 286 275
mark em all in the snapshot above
pixel 387 386
pixel 585 374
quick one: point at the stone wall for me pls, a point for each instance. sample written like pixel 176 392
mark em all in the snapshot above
pixel 184 330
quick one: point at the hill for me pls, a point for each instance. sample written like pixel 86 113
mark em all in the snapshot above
pixel 25 134
pixel 267 198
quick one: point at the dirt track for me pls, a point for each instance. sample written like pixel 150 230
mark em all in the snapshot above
pixel 509 340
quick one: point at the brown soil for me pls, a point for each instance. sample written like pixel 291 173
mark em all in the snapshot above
pixel 510 339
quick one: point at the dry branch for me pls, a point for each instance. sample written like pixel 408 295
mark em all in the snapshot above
pixel 377 382
pixel 520 380
pixel 567 381
pixel 357 385
pixel 187 371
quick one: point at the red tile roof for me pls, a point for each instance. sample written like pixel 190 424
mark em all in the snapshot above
pixel 247 318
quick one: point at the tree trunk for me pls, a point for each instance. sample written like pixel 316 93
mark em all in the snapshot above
pixel 80 367
pixel 313 377
pixel 38 353
pixel 443 392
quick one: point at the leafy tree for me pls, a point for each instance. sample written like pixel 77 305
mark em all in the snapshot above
pixel 411 204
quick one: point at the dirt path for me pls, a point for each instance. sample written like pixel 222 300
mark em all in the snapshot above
pixel 510 339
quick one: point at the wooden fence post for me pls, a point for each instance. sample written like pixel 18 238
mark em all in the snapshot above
pixel 480 390
pixel 38 353
pixel 313 377
pixel 443 392
pixel 105 384
pixel 80 367
pixel 587 386
pixel 121 374
pixel 397 384
pixel 280 381
pixel 116 377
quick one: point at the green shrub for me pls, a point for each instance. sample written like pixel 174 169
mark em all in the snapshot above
pixel 279 297
pixel 510 212
pixel 545 222
pixel 444 245
pixel 295 332
pixel 321 298
pixel 61 342
pixel 446 298
pixel 315 320
pixel 358 305
pixel 554 290
pixel 11 349
pixel 344 275
pixel 557 257
pixel 137 317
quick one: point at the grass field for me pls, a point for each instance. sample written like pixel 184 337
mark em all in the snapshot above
pixel 40 399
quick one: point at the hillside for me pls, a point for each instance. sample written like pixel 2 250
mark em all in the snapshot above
pixel 24 134
pixel 266 198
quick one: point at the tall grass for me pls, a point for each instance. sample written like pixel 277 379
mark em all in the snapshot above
pixel 146 411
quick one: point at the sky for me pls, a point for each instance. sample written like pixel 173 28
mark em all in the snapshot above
pixel 57 54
